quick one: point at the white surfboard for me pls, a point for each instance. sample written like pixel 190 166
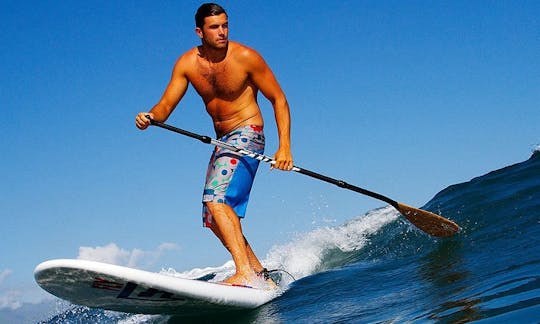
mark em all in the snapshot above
pixel 123 289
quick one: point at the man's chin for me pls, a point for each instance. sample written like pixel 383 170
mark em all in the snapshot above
pixel 219 45
pixel 222 44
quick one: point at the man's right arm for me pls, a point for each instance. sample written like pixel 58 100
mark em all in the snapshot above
pixel 174 92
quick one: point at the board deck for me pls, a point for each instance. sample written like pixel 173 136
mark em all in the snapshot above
pixel 123 289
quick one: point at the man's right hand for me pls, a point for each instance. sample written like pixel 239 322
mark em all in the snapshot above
pixel 141 121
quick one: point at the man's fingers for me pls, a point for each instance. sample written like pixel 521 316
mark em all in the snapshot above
pixel 282 165
pixel 140 122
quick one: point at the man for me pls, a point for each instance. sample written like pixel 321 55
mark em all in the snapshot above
pixel 228 76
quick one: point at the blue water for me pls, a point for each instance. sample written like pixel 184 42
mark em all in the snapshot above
pixel 379 268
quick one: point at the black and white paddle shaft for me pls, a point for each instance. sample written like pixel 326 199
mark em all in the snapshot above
pixel 428 222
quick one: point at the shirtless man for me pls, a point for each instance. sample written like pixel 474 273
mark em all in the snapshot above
pixel 228 76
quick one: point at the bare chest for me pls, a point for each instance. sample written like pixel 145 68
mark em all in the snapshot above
pixel 223 80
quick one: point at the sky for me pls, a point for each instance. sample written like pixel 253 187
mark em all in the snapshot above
pixel 404 98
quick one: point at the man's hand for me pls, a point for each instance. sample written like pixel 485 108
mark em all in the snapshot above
pixel 141 121
pixel 284 160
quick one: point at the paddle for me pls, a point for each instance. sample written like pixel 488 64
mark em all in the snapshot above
pixel 428 222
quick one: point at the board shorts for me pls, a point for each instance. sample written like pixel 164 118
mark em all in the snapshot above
pixel 230 175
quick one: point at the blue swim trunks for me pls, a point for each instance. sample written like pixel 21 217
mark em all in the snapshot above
pixel 230 175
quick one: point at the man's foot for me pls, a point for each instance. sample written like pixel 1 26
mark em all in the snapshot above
pixel 239 280
pixel 255 280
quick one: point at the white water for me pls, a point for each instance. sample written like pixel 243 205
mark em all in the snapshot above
pixel 304 254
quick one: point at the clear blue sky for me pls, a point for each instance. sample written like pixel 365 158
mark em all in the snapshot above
pixel 401 97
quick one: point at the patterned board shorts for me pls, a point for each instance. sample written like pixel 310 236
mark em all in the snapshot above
pixel 230 175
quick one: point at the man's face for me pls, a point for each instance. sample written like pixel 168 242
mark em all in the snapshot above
pixel 215 31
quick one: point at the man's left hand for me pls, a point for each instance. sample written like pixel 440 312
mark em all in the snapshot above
pixel 283 160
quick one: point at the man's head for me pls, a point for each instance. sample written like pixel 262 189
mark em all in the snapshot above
pixel 207 10
pixel 212 26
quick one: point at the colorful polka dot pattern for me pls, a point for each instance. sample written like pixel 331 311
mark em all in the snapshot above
pixel 225 164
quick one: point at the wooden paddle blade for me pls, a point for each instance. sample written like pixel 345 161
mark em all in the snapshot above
pixel 428 222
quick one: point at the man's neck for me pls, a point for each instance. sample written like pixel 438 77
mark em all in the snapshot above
pixel 212 54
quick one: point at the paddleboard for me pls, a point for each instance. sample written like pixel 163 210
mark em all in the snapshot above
pixel 129 290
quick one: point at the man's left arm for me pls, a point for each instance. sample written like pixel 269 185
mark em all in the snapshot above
pixel 263 77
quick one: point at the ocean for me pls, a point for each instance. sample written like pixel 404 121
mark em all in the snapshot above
pixel 378 268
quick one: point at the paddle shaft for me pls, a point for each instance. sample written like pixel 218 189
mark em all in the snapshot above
pixel 264 158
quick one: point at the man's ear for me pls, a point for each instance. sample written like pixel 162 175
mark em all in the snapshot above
pixel 199 32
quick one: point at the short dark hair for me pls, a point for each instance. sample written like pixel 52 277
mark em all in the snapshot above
pixel 207 10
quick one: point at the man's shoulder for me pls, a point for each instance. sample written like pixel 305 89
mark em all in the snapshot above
pixel 243 52
pixel 187 60
pixel 190 54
